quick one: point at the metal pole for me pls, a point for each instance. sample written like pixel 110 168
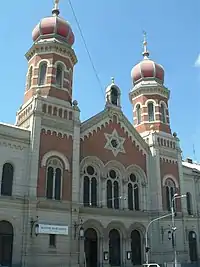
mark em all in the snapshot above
pixel 146 235
pixel 174 232
pixel 174 227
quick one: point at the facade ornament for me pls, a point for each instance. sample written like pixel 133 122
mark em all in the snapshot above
pixel 55 10
pixel 115 143
pixel 145 50
pixel 75 105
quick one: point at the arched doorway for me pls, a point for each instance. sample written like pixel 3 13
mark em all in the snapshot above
pixel 136 248
pixel 6 243
pixel 91 247
pixel 114 248
pixel 192 238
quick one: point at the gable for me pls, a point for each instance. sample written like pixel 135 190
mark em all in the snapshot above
pixel 94 124
pixel 110 136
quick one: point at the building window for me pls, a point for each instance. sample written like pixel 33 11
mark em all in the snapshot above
pixel 170 191
pixel 52 241
pixel 189 203
pixel 133 193
pixel 7 179
pixel 151 111
pixel 138 114
pixel 112 190
pixel 30 75
pixel 42 73
pixel 192 238
pixel 59 76
pixel 54 179
pixel 90 186
pixel 163 113
pixel 114 96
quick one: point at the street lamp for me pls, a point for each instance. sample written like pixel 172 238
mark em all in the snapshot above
pixel 175 196
pixel 34 226
pixel 147 248
pixel 81 230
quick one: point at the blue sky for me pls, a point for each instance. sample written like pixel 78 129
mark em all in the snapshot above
pixel 113 32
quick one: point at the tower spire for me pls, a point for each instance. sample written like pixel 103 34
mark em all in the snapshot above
pixel 55 10
pixel 145 52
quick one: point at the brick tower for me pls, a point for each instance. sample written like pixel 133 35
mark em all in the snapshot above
pixel 149 98
pixel 48 110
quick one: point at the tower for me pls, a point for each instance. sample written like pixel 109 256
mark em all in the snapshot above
pixel 113 94
pixel 48 110
pixel 149 96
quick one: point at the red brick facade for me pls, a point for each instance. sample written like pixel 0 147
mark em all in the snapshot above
pixel 63 144
pixel 94 146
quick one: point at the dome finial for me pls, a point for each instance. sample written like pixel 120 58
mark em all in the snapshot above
pixel 55 11
pixel 113 80
pixel 145 52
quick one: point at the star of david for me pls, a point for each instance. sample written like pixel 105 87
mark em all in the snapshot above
pixel 115 143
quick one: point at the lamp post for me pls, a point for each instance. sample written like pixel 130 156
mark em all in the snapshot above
pixel 175 196
pixel 34 226
pixel 146 236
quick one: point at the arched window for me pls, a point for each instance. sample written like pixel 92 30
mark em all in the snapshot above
pixel 192 238
pixel 114 96
pixel 90 186
pixel 59 76
pixel 42 73
pixel 189 203
pixel 114 248
pixel 170 191
pixel 138 114
pixel 136 249
pixel 112 190
pixel 7 179
pixel 163 113
pixel 133 193
pixel 151 111
pixel 6 243
pixel 54 179
pixel 30 75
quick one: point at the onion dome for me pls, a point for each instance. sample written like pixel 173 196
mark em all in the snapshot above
pixel 147 68
pixel 54 27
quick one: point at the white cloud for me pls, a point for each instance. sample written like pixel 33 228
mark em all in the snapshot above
pixel 197 62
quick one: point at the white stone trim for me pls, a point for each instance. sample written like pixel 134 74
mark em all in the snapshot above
pixel 164 103
pixel 42 61
pixel 54 179
pixel 54 153
pixel 92 160
pixel 118 166
pixel 49 64
pixel 61 63
pixel 150 101
pixel 170 176
pixel 138 171
pixel 136 104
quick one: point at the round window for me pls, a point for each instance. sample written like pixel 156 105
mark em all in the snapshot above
pixel 133 178
pixel 90 170
pixel 114 143
pixel 112 174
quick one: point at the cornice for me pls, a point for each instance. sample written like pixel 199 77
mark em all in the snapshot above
pixel 103 118
pixel 149 89
pixel 52 47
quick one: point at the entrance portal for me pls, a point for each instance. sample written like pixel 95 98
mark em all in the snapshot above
pixel 6 243
pixel 114 248
pixel 136 248
pixel 91 247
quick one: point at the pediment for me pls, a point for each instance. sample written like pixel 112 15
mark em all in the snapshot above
pixel 111 115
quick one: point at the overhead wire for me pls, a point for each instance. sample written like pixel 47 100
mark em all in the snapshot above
pixel 86 47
